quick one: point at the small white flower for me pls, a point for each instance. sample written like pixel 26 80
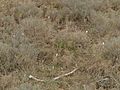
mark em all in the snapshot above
pixel 56 54
pixel 86 31
pixel 23 34
pixel 14 36
pixel 53 67
pixel 30 76
pixel 48 17
pixel 103 43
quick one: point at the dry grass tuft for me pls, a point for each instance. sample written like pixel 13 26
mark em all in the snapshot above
pixel 47 38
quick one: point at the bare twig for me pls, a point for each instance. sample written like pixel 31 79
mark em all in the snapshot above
pixel 56 78
pixel 34 78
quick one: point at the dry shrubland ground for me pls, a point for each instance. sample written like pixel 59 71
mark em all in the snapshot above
pixel 48 38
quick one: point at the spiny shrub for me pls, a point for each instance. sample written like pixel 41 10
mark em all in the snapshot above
pixel 7 23
pixel 79 9
pixel 112 49
pixel 22 45
pixel 38 30
pixel 63 11
pixel 110 24
pixel 72 41
pixel 97 29
pixel 108 51
pixel 25 11
pixel 115 4
pixel 7 59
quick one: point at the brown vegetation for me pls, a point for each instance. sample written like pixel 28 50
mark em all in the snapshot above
pixel 49 38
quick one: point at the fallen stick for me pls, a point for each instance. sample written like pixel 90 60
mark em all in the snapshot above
pixel 34 78
pixel 56 78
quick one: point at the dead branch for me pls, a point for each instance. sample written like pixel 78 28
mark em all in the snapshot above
pixel 56 78
pixel 60 76
pixel 34 78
